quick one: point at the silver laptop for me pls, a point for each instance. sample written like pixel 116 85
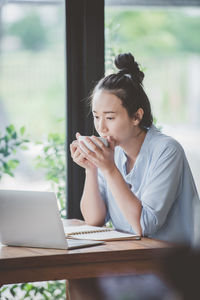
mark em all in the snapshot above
pixel 32 219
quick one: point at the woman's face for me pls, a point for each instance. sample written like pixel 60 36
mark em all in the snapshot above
pixel 111 118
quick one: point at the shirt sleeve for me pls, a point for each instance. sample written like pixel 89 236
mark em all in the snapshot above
pixel 103 192
pixel 161 189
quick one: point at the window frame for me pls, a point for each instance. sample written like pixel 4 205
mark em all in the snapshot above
pixel 84 67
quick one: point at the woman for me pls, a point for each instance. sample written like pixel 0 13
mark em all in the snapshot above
pixel 141 182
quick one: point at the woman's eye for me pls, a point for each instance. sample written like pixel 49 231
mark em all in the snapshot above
pixel 96 117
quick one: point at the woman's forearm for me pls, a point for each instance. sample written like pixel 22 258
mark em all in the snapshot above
pixel 92 205
pixel 128 203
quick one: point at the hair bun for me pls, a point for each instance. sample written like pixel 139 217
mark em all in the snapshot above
pixel 127 65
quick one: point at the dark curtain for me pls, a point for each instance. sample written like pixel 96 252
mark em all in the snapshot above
pixel 84 67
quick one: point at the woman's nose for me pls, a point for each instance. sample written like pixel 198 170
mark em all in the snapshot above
pixel 102 126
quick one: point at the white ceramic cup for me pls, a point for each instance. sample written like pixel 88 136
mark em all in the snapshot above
pixel 83 138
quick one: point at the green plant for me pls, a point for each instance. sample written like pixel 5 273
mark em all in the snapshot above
pixel 52 159
pixel 30 23
pixel 49 290
pixel 10 142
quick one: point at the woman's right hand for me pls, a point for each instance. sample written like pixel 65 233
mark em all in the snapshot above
pixel 78 157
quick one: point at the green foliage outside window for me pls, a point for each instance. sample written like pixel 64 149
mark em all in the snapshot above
pixel 32 22
pixel 10 142
pixel 33 34
pixel 52 160
pixel 155 32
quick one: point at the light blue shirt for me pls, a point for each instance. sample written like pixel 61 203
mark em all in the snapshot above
pixel 161 179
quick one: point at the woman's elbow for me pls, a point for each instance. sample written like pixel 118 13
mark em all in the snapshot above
pixel 94 222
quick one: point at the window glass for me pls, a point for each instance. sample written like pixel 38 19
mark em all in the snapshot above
pixel 32 91
pixel 32 107
pixel 165 41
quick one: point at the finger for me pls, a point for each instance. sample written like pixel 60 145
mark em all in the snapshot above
pixel 76 154
pixel 81 159
pixel 89 155
pixel 73 146
pixel 92 145
pixel 86 152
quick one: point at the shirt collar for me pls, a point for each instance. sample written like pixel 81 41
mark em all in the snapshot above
pixel 143 148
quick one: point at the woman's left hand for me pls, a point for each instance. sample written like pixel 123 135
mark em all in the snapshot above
pixel 101 156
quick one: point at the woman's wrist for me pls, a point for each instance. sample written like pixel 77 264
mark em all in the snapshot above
pixel 109 172
pixel 91 171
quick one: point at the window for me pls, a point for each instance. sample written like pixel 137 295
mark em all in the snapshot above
pixel 164 40
pixel 32 94
pixel 32 84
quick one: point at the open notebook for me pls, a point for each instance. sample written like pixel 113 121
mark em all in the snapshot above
pixel 98 233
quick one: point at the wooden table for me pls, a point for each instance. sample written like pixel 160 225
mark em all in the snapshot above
pixel 20 264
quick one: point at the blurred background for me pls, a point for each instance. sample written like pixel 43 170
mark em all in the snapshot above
pixel 32 86
pixel 165 42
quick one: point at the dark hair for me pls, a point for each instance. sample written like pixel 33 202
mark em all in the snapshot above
pixel 127 86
